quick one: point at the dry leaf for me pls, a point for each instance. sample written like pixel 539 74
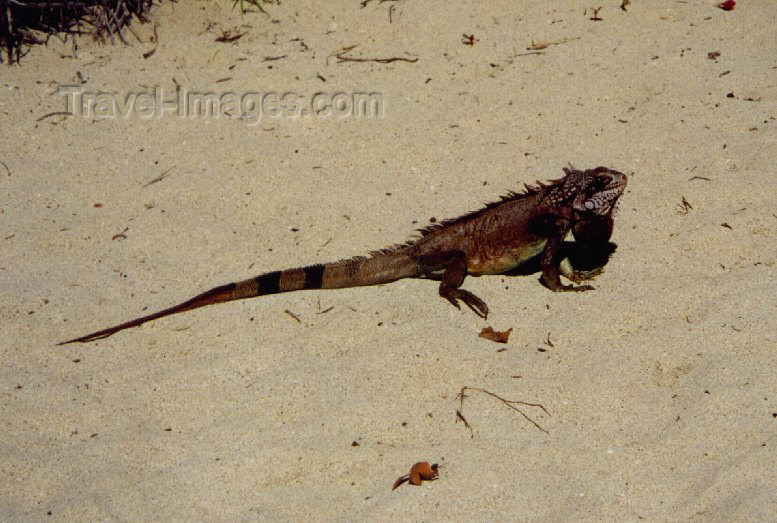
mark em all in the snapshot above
pixel 497 336
pixel 421 471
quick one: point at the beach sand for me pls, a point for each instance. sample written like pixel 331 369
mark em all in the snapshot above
pixel 659 386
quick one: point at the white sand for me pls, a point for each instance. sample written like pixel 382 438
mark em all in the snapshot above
pixel 661 384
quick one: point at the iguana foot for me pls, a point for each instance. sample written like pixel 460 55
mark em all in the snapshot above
pixel 578 276
pixel 574 288
pixel 477 305
pixel 552 281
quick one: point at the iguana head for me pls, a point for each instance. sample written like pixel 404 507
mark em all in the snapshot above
pixel 594 191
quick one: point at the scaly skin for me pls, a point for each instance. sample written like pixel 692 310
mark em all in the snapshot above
pixel 501 237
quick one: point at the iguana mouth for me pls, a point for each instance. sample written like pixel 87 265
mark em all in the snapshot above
pixel 617 181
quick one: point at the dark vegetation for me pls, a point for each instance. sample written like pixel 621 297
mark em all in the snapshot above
pixel 28 22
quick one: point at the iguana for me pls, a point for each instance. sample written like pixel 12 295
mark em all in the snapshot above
pixel 500 237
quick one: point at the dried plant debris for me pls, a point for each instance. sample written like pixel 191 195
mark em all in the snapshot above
pixel 537 46
pixel 258 4
pixel 343 56
pixel 230 35
pixel 421 471
pixel 27 22
pixel 512 404
pixel 292 315
pixel 499 337
pixel 684 207
pixel 595 17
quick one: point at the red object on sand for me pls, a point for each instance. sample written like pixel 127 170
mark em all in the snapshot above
pixel 728 5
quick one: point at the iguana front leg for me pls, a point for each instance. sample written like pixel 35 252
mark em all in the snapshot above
pixel 553 266
pixel 591 239
pixel 454 264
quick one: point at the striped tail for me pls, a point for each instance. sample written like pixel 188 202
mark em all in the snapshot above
pixel 356 272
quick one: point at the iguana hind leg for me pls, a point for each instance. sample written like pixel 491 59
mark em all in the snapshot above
pixel 454 264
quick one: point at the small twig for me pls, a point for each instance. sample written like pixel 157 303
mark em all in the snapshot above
pixel 545 45
pixel 341 57
pixel 460 416
pixel 699 178
pixel 118 26
pixel 685 207
pixel 287 311
pixel 228 36
pixel 55 113
pixel 121 235
pixel 6 167
pixel 159 178
pixel 509 403
pixel 364 3
pixel 325 244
